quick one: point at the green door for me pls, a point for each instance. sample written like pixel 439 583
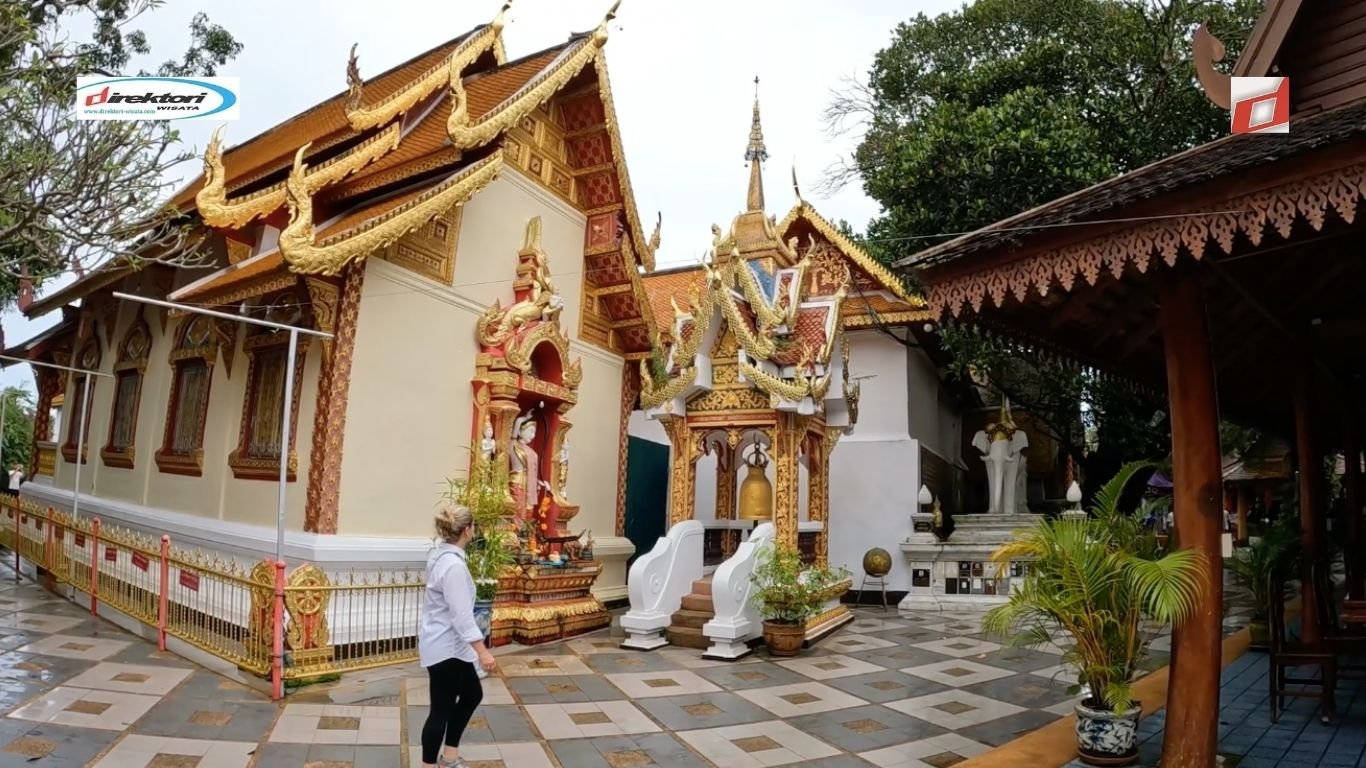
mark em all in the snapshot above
pixel 647 493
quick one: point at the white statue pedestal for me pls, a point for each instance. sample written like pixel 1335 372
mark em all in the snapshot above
pixel 958 574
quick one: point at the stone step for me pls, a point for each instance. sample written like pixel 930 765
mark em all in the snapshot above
pixel 687 637
pixel 687 618
pixel 702 586
pixel 700 603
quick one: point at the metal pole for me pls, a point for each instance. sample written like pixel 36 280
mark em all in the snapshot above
pixel 80 446
pixel 221 315
pixel 284 446
pixel 4 410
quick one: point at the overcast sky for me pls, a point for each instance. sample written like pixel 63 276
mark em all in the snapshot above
pixel 682 78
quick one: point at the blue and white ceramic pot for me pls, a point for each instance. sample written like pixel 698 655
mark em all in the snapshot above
pixel 1107 738
pixel 483 614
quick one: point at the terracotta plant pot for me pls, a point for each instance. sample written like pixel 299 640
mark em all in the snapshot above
pixel 1107 738
pixel 784 639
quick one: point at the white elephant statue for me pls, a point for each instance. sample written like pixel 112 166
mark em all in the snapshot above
pixel 1002 445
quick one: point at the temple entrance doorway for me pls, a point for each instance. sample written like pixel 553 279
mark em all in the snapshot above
pixel 647 494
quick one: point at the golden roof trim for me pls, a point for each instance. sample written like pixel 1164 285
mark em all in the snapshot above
pixel 216 210
pixel 305 256
pixel 465 54
pixel 851 251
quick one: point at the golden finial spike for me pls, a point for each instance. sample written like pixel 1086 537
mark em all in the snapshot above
pixel 756 153
pixel 796 188
pixel 532 243
pixel 299 166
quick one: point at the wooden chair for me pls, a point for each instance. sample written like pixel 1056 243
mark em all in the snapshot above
pixel 1337 639
pixel 1285 654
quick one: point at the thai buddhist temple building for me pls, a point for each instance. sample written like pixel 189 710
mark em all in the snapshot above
pixel 1230 276
pixel 464 227
pixel 794 348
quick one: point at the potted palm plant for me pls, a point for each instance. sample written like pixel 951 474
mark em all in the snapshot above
pixel 1253 565
pixel 484 492
pixel 1103 581
pixel 787 594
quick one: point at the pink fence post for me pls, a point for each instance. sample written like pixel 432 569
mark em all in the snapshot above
pixel 18 532
pixel 164 592
pixel 50 579
pixel 95 566
pixel 277 668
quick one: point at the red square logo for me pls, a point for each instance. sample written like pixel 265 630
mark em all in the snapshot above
pixel 1260 104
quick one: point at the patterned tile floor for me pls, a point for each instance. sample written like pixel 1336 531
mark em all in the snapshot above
pixel 1247 739
pixel 897 691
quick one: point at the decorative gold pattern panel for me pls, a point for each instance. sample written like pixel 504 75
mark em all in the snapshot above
pixel 430 250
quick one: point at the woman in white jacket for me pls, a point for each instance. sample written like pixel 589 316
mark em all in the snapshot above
pixel 449 642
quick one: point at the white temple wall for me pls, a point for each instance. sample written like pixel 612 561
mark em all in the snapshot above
pixel 873 485
pixel 410 402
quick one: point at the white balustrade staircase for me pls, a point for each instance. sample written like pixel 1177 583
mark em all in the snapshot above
pixel 736 621
pixel 658 582
pixel 685 626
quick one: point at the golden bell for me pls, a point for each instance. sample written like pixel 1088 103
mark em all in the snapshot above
pixel 756 494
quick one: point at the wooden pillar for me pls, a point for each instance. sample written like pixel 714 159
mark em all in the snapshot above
pixel 682 469
pixel 1244 506
pixel 1191 738
pixel 1351 486
pixel 1311 510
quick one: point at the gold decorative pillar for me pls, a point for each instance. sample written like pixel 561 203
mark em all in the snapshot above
pixel 683 469
pixel 818 488
pixel 725 493
pixel 787 443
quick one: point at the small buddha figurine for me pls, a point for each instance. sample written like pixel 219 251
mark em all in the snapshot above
pixel 564 469
pixel 487 446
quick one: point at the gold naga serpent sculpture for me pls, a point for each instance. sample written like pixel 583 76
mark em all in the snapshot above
pixel 216 210
pixel 328 258
pixel 450 69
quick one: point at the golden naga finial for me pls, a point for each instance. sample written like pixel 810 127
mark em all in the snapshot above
pixel 654 236
pixel 796 188
pixel 355 86
pixel 213 158
pixel 1207 50
pixel 600 34
pixel 499 20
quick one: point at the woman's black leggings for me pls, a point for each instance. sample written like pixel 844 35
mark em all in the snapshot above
pixel 456 691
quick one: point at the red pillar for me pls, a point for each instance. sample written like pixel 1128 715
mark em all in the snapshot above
pixel 1351 486
pixel 1191 738
pixel 1311 515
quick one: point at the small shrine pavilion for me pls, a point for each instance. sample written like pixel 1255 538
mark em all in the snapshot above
pixel 1231 273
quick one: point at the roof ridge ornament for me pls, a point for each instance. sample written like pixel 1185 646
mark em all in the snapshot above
pixel 466 52
pixel 756 153
pixel 1206 49
pixel 600 34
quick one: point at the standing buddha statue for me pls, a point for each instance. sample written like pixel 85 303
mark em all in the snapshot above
pixel 526 477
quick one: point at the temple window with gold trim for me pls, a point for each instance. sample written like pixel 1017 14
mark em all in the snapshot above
pixel 129 372
pixel 192 360
pixel 260 437
pixel 89 360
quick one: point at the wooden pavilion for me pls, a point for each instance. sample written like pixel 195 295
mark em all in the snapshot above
pixel 1232 273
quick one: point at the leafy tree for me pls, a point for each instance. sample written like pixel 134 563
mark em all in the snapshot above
pixel 976 115
pixel 74 194
pixel 973 116
pixel 16 445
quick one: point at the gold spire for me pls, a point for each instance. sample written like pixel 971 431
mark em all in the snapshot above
pixel 756 153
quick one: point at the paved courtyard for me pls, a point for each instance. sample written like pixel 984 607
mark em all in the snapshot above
pixel 904 691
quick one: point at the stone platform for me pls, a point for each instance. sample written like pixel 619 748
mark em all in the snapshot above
pixel 958 575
